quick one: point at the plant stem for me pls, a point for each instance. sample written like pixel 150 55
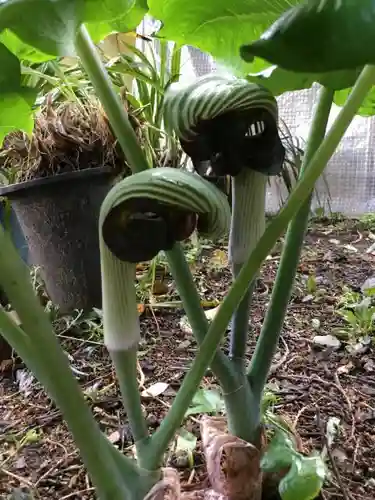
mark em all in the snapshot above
pixel 247 226
pixel 274 319
pixel 126 136
pixel 32 344
pixel 303 188
pixel 112 105
pixel 187 290
pixel 125 363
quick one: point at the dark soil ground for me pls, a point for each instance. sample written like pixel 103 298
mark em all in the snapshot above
pixel 313 385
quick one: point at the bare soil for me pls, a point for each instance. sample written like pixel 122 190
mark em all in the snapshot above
pixel 37 453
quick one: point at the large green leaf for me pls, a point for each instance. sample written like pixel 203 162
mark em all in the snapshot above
pixel 304 479
pixel 48 25
pixel 106 10
pixel 126 22
pixel 279 80
pixel 219 29
pixel 22 50
pixel 279 453
pixel 15 101
pixel 319 36
pixel 16 112
pixel 218 26
pixel 10 74
pixel 368 105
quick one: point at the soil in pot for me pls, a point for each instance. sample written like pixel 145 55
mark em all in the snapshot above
pixel 63 174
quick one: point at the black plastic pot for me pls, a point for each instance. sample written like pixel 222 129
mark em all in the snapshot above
pixel 59 218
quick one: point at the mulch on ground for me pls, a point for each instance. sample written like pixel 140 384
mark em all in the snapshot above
pixel 313 384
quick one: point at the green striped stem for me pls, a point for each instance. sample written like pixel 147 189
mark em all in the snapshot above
pixel 171 187
pixel 187 106
pixel 176 190
pixel 247 226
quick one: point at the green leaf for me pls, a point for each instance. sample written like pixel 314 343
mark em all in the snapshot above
pixel 205 401
pixel 279 80
pixel 367 107
pixel 10 75
pixel 304 479
pixel 16 112
pixel 279 454
pixel 218 27
pixel 106 10
pixel 48 25
pixel 124 22
pixel 16 102
pixel 22 50
pixel 186 441
pixel 319 36
pixel 213 27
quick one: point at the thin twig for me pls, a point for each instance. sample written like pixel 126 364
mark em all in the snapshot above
pixel 20 479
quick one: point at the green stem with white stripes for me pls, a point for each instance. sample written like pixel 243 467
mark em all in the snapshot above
pixel 247 226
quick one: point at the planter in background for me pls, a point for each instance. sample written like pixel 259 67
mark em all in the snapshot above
pixel 59 218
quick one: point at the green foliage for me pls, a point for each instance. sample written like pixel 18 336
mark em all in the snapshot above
pixel 305 476
pixel 53 27
pixel 206 401
pixel 123 16
pixel 56 30
pixel 15 101
pixel 279 454
pixel 358 312
pixel 345 37
pixel 213 27
pixel 22 50
pixel 304 479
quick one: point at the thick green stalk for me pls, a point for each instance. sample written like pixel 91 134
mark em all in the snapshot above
pixel 304 186
pixel 111 102
pixel 188 292
pixel 125 363
pixel 32 343
pixel 247 226
pixel 274 319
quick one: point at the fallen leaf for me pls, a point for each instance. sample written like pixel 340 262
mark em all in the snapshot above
pixel 326 341
pixel 155 390
pixel 211 313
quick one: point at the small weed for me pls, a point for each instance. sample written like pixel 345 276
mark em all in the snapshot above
pixel 367 222
pixel 358 312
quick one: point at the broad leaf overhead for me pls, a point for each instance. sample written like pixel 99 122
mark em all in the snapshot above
pixel 22 50
pixel 124 22
pixel 319 36
pixel 48 25
pixel 106 10
pixel 221 28
pixel 218 26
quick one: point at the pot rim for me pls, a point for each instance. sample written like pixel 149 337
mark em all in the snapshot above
pixel 53 179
